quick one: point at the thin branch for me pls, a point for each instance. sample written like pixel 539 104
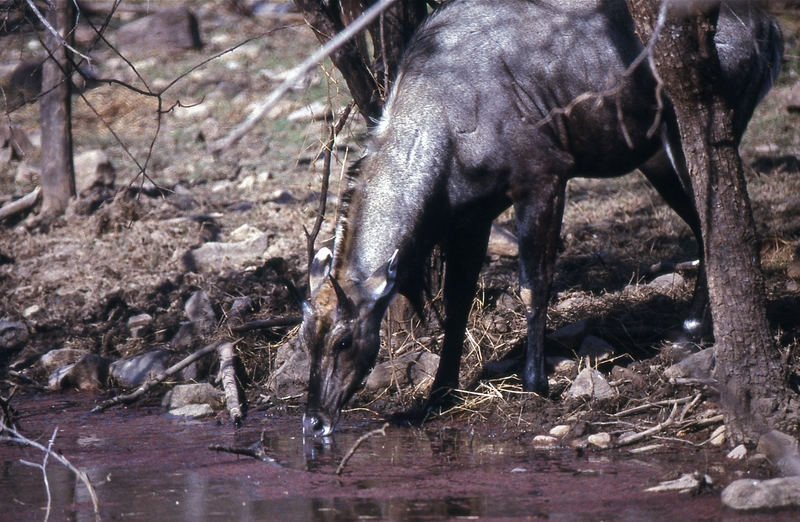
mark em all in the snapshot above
pixel 54 32
pixel 43 467
pixel 20 439
pixel 227 372
pixel 300 71
pixel 263 324
pixel 336 128
pixel 361 439
pixel 133 397
pixel 645 407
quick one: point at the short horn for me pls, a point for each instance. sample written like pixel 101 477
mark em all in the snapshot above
pixel 344 308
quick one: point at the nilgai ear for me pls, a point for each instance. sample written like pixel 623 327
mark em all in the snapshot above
pixel 320 269
pixel 381 283
pixel 297 296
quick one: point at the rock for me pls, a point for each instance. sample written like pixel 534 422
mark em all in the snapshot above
pixel 90 372
pixel 502 242
pixel 718 438
pixel 545 442
pixel 751 495
pixel 696 366
pixel 793 98
pixel 16 141
pixel 738 453
pixel 161 32
pixel 59 358
pixel 281 197
pixel 93 169
pixel 412 369
pixel 590 383
pixel 139 325
pixel 571 336
pixel 198 309
pixel 619 373
pixel 687 483
pixel 667 283
pixel 202 393
pixel 184 337
pixel 193 410
pixel 315 111
pixel 601 440
pixel 23 85
pixel 135 371
pixel 596 349
pixel 561 365
pixel 781 450
pixel 560 430
pixel 218 256
pixel 500 368
pixel 13 335
pixel 291 375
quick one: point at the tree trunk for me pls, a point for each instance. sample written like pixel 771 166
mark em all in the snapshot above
pixel 754 394
pixel 58 177
pixel 368 79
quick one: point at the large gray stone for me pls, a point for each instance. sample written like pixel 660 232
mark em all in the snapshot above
pixel 696 366
pixel 13 335
pixel 218 256
pixel 135 371
pixel 782 451
pixel 291 376
pixel 93 169
pixel 412 369
pixel 590 383
pixel 90 372
pixel 754 495
pixel 161 32
pixel 59 358
pixel 202 393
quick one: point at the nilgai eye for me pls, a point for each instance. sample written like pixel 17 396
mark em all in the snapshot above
pixel 345 343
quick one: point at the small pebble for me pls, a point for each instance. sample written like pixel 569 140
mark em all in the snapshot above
pixel 601 440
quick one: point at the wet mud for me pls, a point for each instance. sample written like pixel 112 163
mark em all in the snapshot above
pixel 146 465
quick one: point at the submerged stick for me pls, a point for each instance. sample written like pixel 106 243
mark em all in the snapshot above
pixel 20 439
pixel 172 370
pixel 380 431
pixel 227 375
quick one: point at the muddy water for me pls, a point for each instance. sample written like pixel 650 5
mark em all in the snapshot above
pixel 148 466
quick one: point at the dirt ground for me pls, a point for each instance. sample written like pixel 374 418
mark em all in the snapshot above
pixel 125 250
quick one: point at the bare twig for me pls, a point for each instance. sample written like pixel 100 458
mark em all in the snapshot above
pixel 43 467
pixel 636 437
pixel 54 32
pixel 20 205
pixel 227 372
pixel 300 71
pixel 645 407
pixel 255 451
pixel 262 324
pixel 336 128
pixel 380 431
pixel 172 370
pixel 20 439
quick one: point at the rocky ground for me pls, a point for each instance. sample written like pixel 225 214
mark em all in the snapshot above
pixel 157 266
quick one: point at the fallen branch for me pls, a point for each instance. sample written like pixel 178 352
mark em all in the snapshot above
pixel 172 370
pixel 301 70
pixel 227 375
pixel 262 324
pixel 20 205
pixel 20 439
pixel 645 407
pixel 380 431
pixel 255 451
pixel 636 437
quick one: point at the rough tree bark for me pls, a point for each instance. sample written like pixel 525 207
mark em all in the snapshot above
pixel 58 178
pixel 368 78
pixel 754 392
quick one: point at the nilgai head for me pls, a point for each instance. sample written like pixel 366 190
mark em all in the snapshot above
pixel 341 333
